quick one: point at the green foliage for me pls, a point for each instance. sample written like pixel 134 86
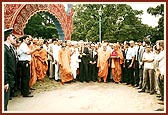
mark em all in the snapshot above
pixel 119 23
pixel 158 31
pixel 41 25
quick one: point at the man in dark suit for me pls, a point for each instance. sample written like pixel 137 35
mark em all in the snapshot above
pixel 9 64
pixel 93 63
pixel 84 56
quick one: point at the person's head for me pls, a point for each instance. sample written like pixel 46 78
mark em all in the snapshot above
pixel 30 38
pixel 160 44
pixel 45 42
pixel 111 45
pixel 136 44
pixel 155 49
pixel 35 41
pixel 148 48
pixel 139 42
pixel 104 46
pixel 63 45
pixel 41 42
pixel 131 43
pixel 9 37
pixel 68 43
pixel 50 41
pixel 25 38
pixel 59 42
pixel 126 44
pixel 146 42
pixel 17 43
pixel 92 46
pixel 116 46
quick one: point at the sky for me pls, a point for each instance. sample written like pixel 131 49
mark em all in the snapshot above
pixel 146 18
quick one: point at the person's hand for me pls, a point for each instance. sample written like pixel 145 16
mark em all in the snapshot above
pixel 6 87
pixel 61 66
pixel 56 62
pixel 38 48
pixel 161 77
pixel 140 63
pixel 124 65
pixel 130 66
pixel 94 62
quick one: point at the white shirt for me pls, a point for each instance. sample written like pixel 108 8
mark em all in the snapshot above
pixel 130 53
pixel 136 51
pixel 74 58
pixel 56 50
pixel 162 62
pixel 45 47
pixel 22 52
pixel 148 56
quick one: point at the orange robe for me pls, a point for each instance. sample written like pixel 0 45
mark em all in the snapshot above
pixel 33 67
pixel 42 64
pixel 64 61
pixel 102 64
pixel 116 66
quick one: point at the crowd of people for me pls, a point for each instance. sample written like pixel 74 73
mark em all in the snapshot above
pixel 138 64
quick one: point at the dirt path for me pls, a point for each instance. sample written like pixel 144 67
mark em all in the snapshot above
pixel 90 97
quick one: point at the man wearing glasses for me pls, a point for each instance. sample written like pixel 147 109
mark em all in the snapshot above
pixel 9 64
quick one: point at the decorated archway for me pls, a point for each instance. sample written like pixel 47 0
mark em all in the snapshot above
pixel 16 16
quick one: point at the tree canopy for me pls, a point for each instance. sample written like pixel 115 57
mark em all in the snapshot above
pixel 41 25
pixel 119 23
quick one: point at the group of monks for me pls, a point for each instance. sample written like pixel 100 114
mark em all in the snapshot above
pixel 39 61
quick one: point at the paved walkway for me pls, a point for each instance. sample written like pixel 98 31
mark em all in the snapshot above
pixel 90 97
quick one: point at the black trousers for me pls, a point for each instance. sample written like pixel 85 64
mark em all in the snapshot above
pixel 109 75
pixel 93 72
pixel 136 77
pixel 124 75
pixel 84 73
pixel 18 76
pixel 140 76
pixel 48 67
pixel 129 73
pixel 6 99
pixel 25 70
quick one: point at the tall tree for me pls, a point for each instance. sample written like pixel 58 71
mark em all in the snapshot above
pixel 158 31
pixel 119 23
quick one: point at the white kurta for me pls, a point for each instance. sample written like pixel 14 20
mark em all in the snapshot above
pixel 74 64
pixel 56 50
